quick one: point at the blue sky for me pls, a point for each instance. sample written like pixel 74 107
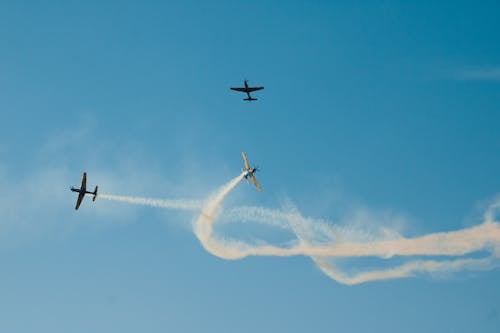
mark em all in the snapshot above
pixel 379 114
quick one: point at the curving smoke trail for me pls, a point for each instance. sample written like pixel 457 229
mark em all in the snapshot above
pixel 322 241
pixel 173 204
pixel 203 227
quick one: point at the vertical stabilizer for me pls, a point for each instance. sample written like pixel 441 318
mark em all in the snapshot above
pixel 95 194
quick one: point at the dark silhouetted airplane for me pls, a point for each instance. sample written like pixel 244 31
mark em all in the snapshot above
pixel 83 190
pixel 248 90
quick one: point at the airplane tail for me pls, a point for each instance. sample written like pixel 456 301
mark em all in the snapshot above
pixel 95 194
pixel 250 99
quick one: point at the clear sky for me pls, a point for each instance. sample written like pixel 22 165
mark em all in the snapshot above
pixel 381 113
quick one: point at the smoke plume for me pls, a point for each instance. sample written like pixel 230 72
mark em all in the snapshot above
pixel 161 203
pixel 324 242
pixel 474 248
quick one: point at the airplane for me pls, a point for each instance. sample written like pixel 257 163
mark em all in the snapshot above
pixel 248 90
pixel 249 172
pixel 83 190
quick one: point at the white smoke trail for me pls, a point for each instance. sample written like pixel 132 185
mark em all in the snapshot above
pixel 321 240
pixel 161 203
pixel 203 227
pixel 324 241
pixel 406 270
pixel 452 243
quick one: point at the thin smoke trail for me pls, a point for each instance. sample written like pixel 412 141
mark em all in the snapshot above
pixel 161 203
pixel 406 270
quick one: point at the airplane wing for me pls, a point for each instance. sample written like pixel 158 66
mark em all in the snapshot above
pixel 250 89
pixel 256 182
pixel 83 187
pixel 240 89
pixel 79 200
pixel 247 166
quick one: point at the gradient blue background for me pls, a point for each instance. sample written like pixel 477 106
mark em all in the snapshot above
pixel 368 106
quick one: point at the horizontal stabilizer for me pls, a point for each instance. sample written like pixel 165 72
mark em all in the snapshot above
pixel 250 99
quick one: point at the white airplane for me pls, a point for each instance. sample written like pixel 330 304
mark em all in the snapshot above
pixel 249 172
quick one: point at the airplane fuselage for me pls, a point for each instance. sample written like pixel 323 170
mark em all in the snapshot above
pixel 249 172
pixel 78 190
